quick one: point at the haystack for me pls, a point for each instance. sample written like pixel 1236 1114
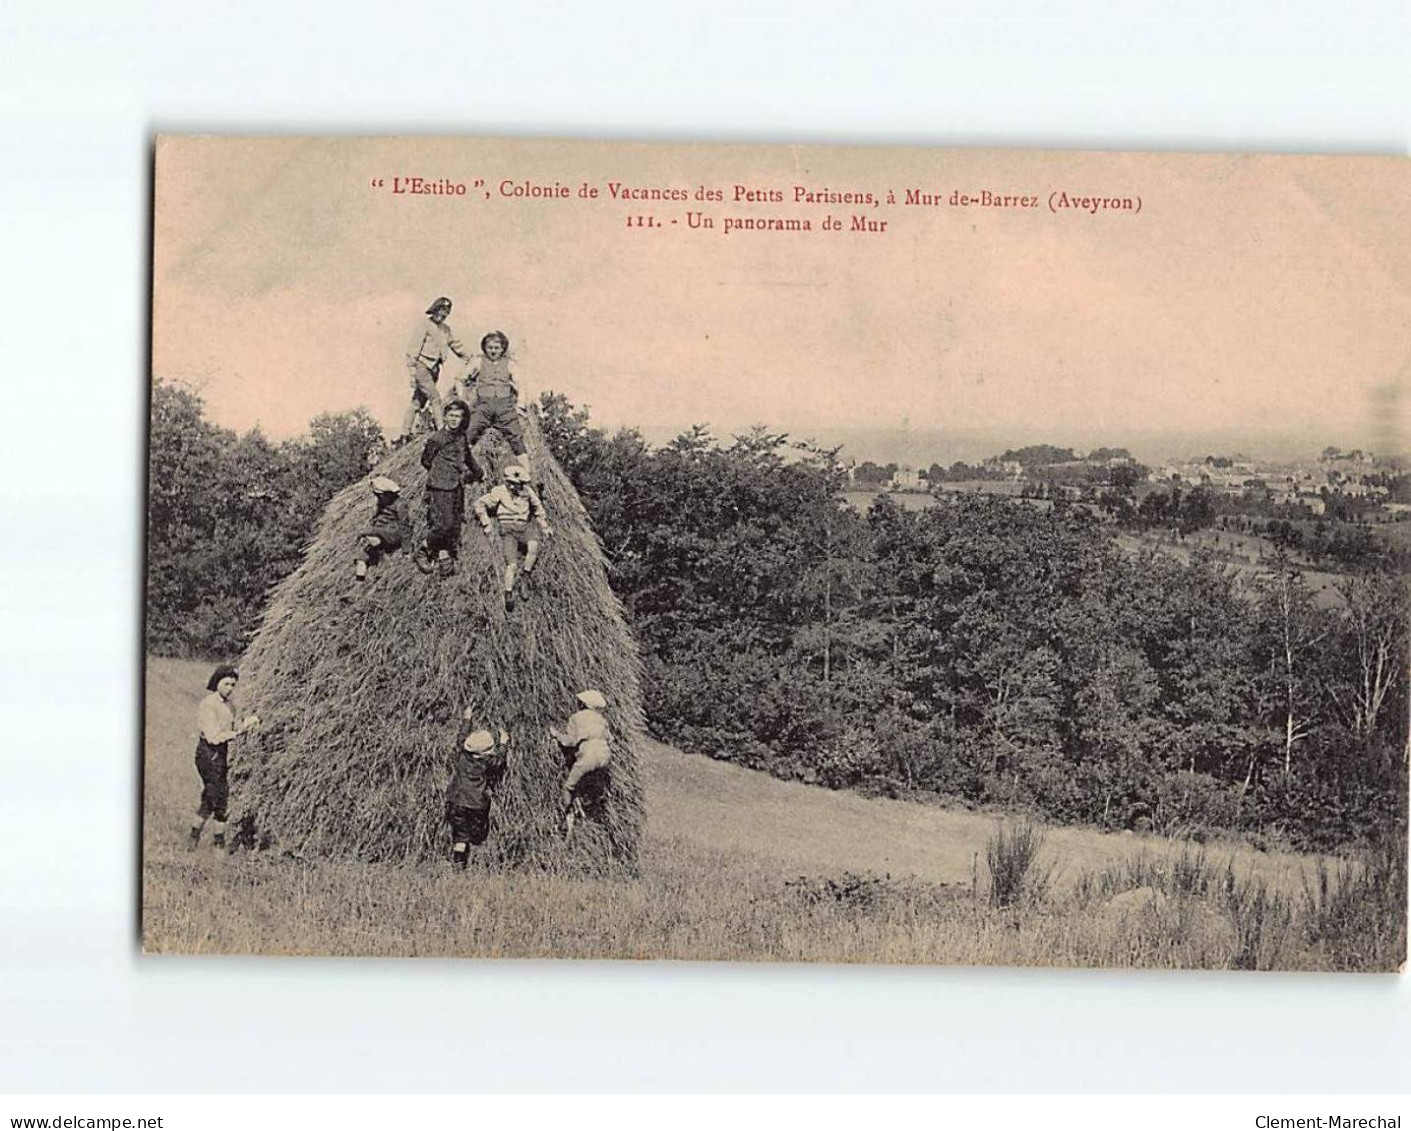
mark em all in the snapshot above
pixel 360 688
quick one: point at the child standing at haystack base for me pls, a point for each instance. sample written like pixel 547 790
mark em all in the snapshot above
pixel 217 727
pixel 514 503
pixel 388 529
pixel 480 762
pixel 496 404
pixel 449 467
pixel 586 740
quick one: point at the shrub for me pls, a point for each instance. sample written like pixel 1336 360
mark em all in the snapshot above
pixel 1356 912
pixel 1012 856
pixel 1193 805
pixel 848 758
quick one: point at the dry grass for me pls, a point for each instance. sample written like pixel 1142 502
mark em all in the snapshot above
pixel 738 866
pixel 360 688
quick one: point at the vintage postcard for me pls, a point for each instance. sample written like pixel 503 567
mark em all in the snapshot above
pixel 777 553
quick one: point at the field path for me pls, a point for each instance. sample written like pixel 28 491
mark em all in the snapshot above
pixel 807 830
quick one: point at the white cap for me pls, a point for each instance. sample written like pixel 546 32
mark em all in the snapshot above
pixel 592 699
pixel 479 742
pixel 384 486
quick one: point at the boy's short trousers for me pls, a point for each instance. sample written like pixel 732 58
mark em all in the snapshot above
pixel 468 825
pixel 591 756
pixel 512 541
pixel 499 413
pixel 424 386
pixel 389 536
pixel 213 766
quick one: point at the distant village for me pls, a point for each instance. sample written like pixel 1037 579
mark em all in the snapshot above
pixel 1355 484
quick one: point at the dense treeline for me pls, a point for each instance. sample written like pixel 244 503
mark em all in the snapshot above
pixel 981 649
pixel 228 516
pixel 988 650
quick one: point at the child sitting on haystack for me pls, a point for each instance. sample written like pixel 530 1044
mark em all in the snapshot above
pixel 513 504
pixel 495 402
pixel 480 761
pixel 586 745
pixel 388 529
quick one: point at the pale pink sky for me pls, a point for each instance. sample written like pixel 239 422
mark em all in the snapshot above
pixel 1250 294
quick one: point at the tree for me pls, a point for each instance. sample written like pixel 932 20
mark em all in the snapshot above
pixel 185 460
pixel 1373 650
pixel 228 516
pixel 1292 627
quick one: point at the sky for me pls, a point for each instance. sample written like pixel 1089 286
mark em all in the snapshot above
pixel 1261 300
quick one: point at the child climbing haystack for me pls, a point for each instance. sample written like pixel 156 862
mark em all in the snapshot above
pixel 513 504
pixel 387 530
pixel 479 765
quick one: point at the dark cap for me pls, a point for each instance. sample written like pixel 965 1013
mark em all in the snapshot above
pixel 222 672
pixel 442 303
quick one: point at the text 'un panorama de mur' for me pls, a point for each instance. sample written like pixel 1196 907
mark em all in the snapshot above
pixel 1058 200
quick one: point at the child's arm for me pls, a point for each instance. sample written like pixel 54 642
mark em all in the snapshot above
pixel 569 736
pixel 536 507
pixel 433 445
pixel 418 339
pixel 482 512
pixel 213 727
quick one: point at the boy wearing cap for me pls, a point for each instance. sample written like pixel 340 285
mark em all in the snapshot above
pixel 480 761
pixel 449 467
pixel 430 342
pixel 586 741
pixel 514 503
pixel 388 529
pixel 216 723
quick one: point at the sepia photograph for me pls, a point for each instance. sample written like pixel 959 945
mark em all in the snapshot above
pixel 777 553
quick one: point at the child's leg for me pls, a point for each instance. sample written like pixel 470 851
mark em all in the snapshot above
pixel 509 546
pixel 198 823
pixel 508 424
pixel 455 521
pixel 531 554
pixel 477 424
pixel 478 826
pixel 460 834
pixel 369 555
pixel 414 402
pixel 438 521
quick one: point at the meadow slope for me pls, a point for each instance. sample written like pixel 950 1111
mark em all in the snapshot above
pixel 734 865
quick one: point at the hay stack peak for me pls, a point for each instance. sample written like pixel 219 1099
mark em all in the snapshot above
pixel 360 687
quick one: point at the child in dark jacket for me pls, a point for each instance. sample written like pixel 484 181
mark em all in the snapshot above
pixel 480 761
pixel 388 529
pixel 449 467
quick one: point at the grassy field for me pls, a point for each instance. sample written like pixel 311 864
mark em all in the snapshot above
pixel 1247 554
pixel 737 865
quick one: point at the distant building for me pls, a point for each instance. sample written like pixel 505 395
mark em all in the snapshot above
pixel 906 479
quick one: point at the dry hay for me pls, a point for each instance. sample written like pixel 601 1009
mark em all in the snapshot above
pixel 360 687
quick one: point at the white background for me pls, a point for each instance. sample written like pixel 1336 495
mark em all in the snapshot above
pixel 83 87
